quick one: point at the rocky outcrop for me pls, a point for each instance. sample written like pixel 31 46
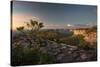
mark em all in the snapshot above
pixel 63 52
pixel 67 53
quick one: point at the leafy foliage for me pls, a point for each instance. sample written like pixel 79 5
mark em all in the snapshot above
pixel 20 28
pixel 27 56
pixel 72 40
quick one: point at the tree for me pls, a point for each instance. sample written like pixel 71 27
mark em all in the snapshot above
pixel 32 54
pixel 34 25
pixel 33 28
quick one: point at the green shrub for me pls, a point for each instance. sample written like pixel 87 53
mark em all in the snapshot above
pixel 30 56
pixel 46 58
pixel 72 40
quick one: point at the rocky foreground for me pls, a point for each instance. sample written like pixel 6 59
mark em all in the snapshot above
pixel 67 53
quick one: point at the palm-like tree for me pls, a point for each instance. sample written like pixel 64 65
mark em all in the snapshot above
pixel 34 27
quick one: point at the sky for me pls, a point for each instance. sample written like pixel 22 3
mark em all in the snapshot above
pixel 53 15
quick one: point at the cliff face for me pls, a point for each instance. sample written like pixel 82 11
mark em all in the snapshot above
pixel 90 37
pixel 79 32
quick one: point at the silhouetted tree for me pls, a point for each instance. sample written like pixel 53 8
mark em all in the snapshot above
pixel 20 28
pixel 34 25
pixel 33 28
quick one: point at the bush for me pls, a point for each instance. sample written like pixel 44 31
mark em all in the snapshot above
pixel 72 40
pixel 46 58
pixel 47 35
pixel 86 46
pixel 17 54
pixel 30 56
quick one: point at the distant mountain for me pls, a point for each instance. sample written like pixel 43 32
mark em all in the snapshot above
pixel 79 26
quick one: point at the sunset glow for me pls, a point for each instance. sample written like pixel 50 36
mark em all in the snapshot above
pixel 53 15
